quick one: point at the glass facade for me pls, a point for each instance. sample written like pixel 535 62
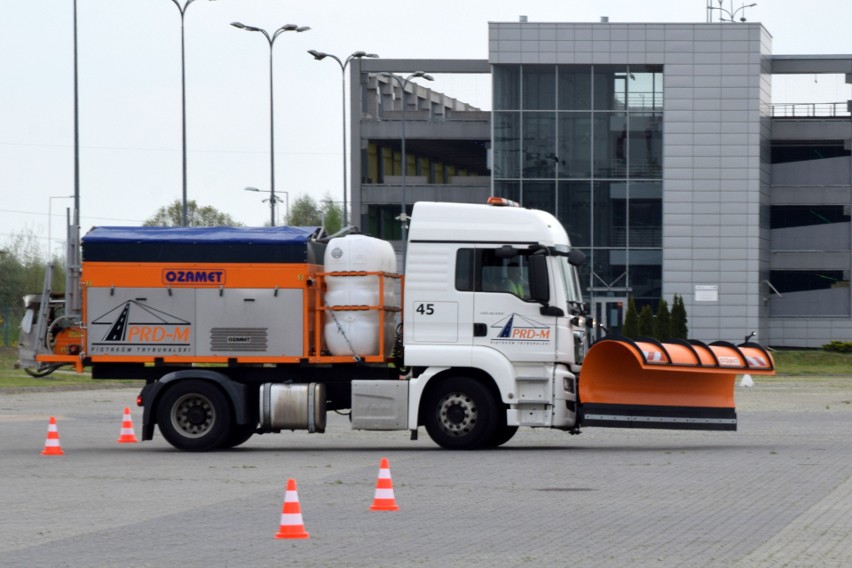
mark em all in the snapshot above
pixel 584 142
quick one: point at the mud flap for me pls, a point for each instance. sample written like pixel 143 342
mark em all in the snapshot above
pixel 681 385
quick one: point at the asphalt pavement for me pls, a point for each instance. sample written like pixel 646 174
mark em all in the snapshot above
pixel 778 492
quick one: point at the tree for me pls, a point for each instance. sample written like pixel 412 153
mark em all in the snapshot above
pixel 332 216
pixel 631 320
pixel 646 321
pixel 305 212
pixel 171 216
pixel 663 321
pixel 22 269
pixel 678 319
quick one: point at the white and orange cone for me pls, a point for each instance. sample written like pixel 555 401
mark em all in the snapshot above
pixel 51 444
pixel 384 499
pixel 292 525
pixel 127 435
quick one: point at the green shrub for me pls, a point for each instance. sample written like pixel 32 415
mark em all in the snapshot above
pixel 838 346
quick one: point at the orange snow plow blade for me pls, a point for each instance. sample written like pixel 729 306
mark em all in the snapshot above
pixel 681 385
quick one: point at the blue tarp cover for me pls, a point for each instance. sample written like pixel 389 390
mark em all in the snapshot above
pixel 200 235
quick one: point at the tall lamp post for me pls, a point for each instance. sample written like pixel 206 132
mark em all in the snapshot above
pixel 403 217
pixel 272 200
pixel 732 14
pixel 182 10
pixel 271 40
pixel 319 56
pixel 73 305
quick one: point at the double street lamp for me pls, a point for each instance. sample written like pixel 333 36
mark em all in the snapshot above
pixel 182 10
pixel 319 56
pixel 272 200
pixel 271 39
pixel 403 217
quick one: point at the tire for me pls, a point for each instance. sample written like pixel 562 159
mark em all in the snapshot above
pixel 461 414
pixel 502 435
pixel 239 434
pixel 195 416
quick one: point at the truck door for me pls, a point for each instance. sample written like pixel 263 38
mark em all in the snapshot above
pixel 505 317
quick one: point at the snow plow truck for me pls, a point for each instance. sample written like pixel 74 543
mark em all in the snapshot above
pixel 243 331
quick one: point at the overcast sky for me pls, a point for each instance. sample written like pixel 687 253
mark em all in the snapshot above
pixel 130 107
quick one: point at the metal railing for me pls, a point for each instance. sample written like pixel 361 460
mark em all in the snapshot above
pixel 810 110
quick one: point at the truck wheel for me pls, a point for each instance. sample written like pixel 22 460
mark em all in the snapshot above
pixel 461 414
pixel 194 416
pixel 240 434
pixel 502 435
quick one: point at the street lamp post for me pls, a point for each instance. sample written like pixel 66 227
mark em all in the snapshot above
pixel 50 221
pixel 271 40
pixel 403 217
pixel 319 56
pixel 182 10
pixel 273 199
pixel 732 14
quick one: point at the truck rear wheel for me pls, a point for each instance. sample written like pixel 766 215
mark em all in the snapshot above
pixel 240 434
pixel 461 414
pixel 194 416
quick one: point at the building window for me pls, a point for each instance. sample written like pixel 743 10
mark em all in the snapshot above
pixel 786 216
pixel 507 87
pixel 801 151
pixel 507 145
pixel 805 280
pixel 539 92
pixel 539 144
pixel 585 142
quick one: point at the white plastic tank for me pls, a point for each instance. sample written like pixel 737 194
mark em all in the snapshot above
pixel 357 332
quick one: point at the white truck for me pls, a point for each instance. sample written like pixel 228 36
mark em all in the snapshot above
pixel 241 331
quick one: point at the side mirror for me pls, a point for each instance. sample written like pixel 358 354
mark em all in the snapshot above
pixel 539 282
pixel 576 257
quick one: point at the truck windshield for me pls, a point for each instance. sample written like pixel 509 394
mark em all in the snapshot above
pixel 570 281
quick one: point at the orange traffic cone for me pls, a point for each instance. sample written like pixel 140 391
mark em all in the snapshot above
pixel 51 444
pixel 384 499
pixel 292 525
pixel 127 436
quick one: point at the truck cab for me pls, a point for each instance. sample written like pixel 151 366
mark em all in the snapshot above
pixel 492 297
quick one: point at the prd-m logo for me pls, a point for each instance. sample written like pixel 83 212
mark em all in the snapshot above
pixel 519 328
pixel 135 327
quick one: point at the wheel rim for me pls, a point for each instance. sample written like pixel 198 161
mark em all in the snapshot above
pixel 193 415
pixel 457 414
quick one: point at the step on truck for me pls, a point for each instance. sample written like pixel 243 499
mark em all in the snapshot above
pixel 243 331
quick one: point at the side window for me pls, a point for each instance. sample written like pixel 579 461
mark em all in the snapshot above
pixel 509 275
pixel 465 270
pixel 482 271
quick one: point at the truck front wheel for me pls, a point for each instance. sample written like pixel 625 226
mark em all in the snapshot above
pixel 194 416
pixel 461 414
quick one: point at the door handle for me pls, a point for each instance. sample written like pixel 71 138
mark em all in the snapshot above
pixel 480 330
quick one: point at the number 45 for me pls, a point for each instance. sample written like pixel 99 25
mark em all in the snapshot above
pixel 425 309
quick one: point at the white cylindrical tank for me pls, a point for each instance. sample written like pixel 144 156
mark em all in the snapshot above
pixel 357 332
